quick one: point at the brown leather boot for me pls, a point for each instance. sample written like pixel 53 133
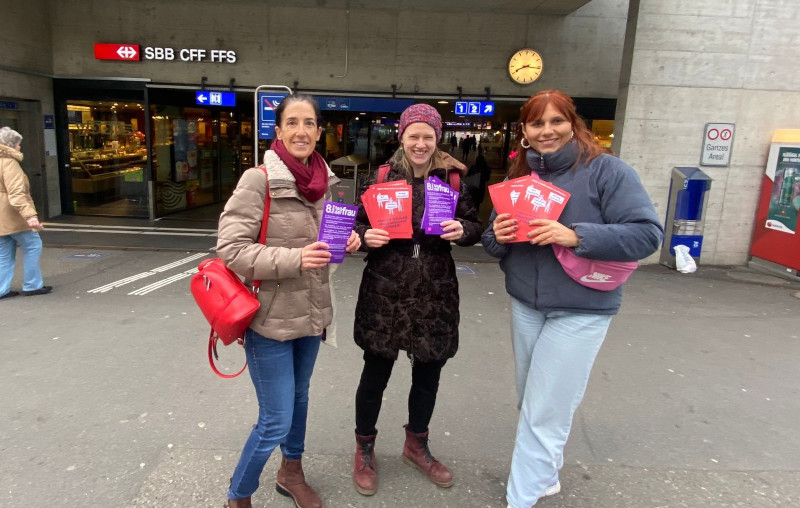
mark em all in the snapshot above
pixel 291 482
pixel 238 503
pixel 416 454
pixel 365 477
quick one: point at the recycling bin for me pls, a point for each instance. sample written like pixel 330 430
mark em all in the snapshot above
pixel 688 197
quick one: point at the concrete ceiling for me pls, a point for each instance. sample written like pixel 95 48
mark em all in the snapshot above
pixel 558 7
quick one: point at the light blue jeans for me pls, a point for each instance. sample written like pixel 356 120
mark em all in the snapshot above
pixel 554 354
pixel 31 245
pixel 281 374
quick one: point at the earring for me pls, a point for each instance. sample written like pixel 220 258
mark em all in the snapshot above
pixel 572 135
pixel 525 143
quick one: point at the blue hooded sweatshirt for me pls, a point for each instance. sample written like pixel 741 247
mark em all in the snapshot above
pixel 613 216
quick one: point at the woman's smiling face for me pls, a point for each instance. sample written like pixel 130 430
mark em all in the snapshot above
pixel 299 130
pixel 419 143
pixel 548 133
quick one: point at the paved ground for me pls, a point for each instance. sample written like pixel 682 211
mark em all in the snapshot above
pixel 108 401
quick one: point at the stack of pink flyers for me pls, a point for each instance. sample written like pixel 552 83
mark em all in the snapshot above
pixel 527 198
pixel 388 206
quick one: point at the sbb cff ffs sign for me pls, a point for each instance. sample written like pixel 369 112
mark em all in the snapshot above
pixel 131 52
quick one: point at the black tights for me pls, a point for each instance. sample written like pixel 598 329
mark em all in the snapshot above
pixel 421 398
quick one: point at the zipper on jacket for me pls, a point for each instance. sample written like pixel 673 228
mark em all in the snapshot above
pixel 274 295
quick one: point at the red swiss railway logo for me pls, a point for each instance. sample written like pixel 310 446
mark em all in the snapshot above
pixel 116 51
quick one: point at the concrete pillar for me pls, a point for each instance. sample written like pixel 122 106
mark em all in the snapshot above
pixel 691 62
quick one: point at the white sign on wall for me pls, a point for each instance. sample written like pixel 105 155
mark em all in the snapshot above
pixel 717 144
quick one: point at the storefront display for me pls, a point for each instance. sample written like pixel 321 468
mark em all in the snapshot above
pixel 107 158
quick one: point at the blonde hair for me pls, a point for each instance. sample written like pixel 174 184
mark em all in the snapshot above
pixel 399 159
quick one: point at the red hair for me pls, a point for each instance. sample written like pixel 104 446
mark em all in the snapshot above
pixel 533 110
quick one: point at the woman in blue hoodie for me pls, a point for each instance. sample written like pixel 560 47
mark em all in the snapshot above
pixel 558 325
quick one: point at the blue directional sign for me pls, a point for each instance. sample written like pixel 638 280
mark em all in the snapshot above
pixel 475 108
pixel 208 98
pixel 266 114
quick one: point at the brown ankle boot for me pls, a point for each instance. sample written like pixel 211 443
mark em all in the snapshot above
pixel 238 503
pixel 291 482
pixel 417 454
pixel 365 477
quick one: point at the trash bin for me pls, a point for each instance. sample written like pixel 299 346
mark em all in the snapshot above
pixel 688 196
pixel 352 170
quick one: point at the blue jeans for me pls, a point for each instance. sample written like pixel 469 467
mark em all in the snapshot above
pixel 31 245
pixel 281 374
pixel 554 354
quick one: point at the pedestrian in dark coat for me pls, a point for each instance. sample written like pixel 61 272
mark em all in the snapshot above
pixel 408 300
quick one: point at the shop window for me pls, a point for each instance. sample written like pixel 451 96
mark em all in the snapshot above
pixel 108 158
pixel 603 131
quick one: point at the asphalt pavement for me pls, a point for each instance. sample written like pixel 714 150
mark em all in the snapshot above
pixel 108 399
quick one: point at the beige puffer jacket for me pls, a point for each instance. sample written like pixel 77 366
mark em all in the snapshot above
pixel 16 203
pixel 294 303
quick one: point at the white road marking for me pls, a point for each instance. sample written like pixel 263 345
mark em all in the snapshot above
pixel 163 282
pixel 129 230
pixel 127 280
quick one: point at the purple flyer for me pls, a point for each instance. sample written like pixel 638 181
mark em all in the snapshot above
pixel 337 223
pixel 440 205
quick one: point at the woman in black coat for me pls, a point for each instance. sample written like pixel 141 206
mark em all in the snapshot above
pixel 408 300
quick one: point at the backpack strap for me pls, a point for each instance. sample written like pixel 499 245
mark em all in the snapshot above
pixel 383 170
pixel 262 237
pixel 454 177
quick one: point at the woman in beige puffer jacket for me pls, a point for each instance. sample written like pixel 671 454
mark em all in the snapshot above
pixel 284 336
pixel 19 222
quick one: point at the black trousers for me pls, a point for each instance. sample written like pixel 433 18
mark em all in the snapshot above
pixel 421 398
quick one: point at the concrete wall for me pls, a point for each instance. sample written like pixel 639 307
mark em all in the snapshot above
pixel 697 61
pixel 26 62
pixel 426 52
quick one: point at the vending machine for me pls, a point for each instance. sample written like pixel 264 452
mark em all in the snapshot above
pixel 776 235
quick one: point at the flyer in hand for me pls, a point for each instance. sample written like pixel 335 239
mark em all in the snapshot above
pixel 388 206
pixel 335 228
pixel 527 198
pixel 440 205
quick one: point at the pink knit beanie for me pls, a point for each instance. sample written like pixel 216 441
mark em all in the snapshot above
pixel 420 113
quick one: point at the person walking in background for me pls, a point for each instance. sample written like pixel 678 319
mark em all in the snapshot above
pixel 558 325
pixel 19 222
pixel 283 340
pixel 408 300
pixel 477 177
pixel 453 143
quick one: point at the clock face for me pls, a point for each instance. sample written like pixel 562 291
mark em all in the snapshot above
pixel 525 66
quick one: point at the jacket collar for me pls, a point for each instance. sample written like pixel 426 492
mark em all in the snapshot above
pixel 8 152
pixel 553 163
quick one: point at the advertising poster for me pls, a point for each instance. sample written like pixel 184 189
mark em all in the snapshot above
pixel 784 200
pixel 184 133
pixel 776 223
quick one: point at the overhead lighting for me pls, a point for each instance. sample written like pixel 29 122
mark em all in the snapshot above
pixel 443 102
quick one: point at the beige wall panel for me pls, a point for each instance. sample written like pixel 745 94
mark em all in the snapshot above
pixel 688 69
pixel 701 34
pixel 717 8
